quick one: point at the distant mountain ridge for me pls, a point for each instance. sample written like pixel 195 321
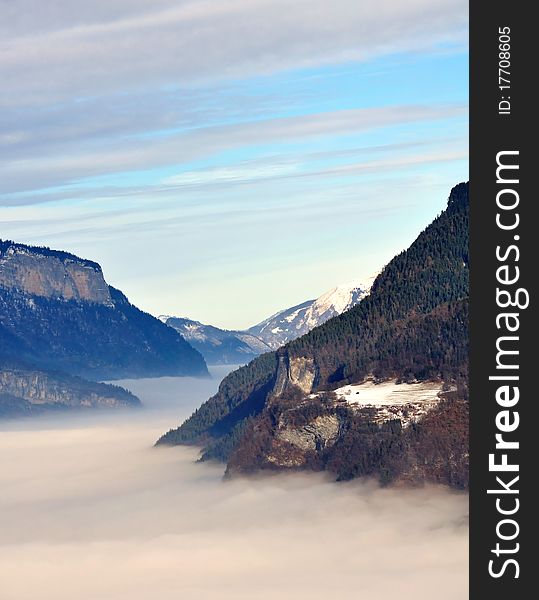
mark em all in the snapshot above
pixel 218 346
pixel 58 312
pixel 221 346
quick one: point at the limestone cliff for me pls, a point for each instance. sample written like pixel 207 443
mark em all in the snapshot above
pixel 51 274
pixel 293 372
pixel 26 390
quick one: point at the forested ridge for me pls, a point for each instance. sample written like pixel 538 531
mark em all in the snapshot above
pixel 5 245
pixel 413 327
pixel 241 394
pixel 432 272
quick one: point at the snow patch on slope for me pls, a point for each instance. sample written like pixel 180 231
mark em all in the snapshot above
pixel 388 393
pixel 406 402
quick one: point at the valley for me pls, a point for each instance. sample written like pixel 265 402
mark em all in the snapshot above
pixel 219 346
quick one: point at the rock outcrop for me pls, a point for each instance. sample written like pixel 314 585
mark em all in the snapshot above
pixel 25 390
pixel 294 372
pixel 51 274
pixel 411 442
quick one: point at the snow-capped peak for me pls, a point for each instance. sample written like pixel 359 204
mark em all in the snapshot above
pixel 334 302
pixel 340 298
pixel 298 320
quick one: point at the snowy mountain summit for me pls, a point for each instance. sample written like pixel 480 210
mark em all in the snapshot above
pixel 294 322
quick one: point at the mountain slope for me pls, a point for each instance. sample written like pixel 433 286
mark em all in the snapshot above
pixel 280 411
pixel 296 321
pixel 25 390
pixel 58 313
pixel 218 346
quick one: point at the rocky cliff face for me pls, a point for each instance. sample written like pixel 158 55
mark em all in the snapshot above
pixel 25 390
pixel 43 272
pixel 294 372
pixel 369 429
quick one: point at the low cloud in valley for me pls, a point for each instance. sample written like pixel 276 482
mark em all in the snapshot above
pixel 89 510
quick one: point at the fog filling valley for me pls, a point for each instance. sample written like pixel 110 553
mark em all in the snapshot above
pixel 89 510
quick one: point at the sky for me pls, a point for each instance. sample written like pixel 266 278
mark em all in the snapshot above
pixel 224 159
pixel 89 510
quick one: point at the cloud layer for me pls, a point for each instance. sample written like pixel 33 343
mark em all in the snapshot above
pixel 89 510
pixel 48 171
pixel 54 52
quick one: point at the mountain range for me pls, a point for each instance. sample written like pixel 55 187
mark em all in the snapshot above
pixel 218 346
pixel 60 321
pixel 380 390
pixel 221 346
pixel 359 382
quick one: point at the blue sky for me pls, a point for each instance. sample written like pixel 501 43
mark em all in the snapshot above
pixel 224 159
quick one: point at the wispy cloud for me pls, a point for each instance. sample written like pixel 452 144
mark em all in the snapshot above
pixel 277 171
pixel 196 143
pixel 114 46
pixel 239 174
